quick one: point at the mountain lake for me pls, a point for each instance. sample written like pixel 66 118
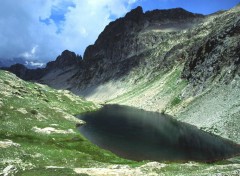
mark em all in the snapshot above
pixel 143 135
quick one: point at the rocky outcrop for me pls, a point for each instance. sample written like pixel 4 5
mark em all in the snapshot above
pixel 66 59
pixel 120 39
pixel 24 73
pixel 63 62
pixel 126 44
pixel 217 54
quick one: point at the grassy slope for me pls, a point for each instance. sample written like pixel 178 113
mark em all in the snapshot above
pixel 159 94
pixel 24 106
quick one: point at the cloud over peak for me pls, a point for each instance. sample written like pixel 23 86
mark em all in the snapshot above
pixel 43 29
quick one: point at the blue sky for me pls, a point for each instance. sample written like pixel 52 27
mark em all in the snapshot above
pixel 42 29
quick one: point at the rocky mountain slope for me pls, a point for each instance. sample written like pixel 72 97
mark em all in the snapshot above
pixel 171 61
pixel 119 45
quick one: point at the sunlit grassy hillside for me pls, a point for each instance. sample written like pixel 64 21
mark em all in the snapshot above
pixel 38 130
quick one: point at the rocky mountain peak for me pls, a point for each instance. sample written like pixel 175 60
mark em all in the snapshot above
pixel 18 69
pixel 66 59
pixel 122 39
pixel 135 14
pixel 23 72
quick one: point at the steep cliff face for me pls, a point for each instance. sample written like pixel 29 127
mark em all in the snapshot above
pixel 216 54
pixel 142 46
pixel 66 59
pixel 121 39
pixel 125 41
pixel 58 73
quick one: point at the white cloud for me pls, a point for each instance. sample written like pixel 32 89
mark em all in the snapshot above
pixel 28 28
pixel 34 64
pixel 31 54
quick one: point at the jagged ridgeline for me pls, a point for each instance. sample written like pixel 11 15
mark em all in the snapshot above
pixel 143 46
pixel 121 47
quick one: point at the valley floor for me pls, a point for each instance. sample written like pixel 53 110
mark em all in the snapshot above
pixel 38 134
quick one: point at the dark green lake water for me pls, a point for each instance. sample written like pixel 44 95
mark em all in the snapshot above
pixel 141 135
